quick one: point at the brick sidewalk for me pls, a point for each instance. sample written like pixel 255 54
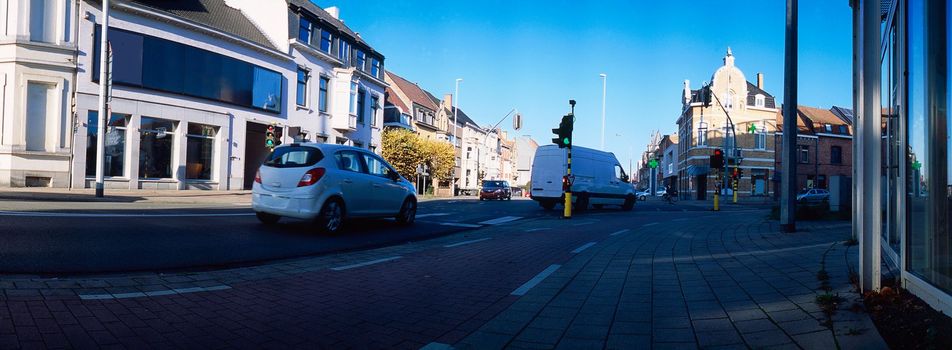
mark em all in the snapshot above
pixel 738 284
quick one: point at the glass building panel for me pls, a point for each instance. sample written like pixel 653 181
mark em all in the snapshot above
pixel 267 89
pixel 917 186
pixel 164 57
pixel 126 48
pixel 889 169
pixel 115 144
pixel 155 148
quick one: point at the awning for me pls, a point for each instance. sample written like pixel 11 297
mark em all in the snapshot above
pixel 695 170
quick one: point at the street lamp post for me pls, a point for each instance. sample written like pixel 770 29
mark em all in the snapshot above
pixel 103 116
pixel 604 88
pixel 455 108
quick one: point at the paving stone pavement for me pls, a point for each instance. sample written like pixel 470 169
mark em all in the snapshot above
pixel 736 283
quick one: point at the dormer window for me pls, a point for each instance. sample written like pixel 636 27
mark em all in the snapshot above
pixel 759 101
pixel 828 127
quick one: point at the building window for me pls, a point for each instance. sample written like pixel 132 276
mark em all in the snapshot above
pixel 375 68
pixel 844 130
pixel 155 148
pixel 302 78
pixel 759 101
pixel 326 40
pixel 361 60
pixel 836 155
pixel 322 95
pixel 374 106
pixel 729 100
pixel 353 98
pixel 760 140
pixel 115 148
pixel 305 31
pixel 803 153
pixel 38 100
pixel 200 151
pixel 43 20
pixel 702 134
pixel 361 106
pixel 343 51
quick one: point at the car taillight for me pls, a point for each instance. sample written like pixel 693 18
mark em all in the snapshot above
pixel 258 176
pixel 311 177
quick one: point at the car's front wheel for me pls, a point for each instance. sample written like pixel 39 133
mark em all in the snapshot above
pixel 267 218
pixel 331 217
pixel 407 213
pixel 629 203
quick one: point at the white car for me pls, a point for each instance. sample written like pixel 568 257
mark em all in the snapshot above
pixel 813 195
pixel 328 184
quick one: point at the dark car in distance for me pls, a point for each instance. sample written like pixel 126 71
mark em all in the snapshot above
pixel 495 189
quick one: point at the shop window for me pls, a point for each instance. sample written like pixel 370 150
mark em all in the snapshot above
pixel 200 151
pixel 156 138
pixel 115 147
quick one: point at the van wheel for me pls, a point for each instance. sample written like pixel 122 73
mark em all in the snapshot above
pixel 581 204
pixel 266 218
pixel 629 203
pixel 547 205
pixel 331 217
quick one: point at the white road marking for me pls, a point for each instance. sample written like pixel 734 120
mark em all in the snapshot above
pixel 431 215
pixel 354 266
pixel 583 247
pixel 152 294
pixel 618 232
pixel 90 215
pixel 437 346
pixel 651 224
pixel 522 290
pixel 466 242
pixel 460 225
pixel 501 220
pixel 732 255
pixel 537 229
pixel 584 223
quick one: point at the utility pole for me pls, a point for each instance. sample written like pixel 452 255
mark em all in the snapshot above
pixel 103 102
pixel 788 180
pixel 604 91
pixel 455 108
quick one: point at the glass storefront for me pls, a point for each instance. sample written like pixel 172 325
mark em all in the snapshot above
pixel 155 148
pixel 200 151
pixel 890 145
pixel 115 151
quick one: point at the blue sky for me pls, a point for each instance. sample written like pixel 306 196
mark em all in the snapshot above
pixel 536 55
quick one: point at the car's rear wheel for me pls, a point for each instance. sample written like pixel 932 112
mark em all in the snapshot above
pixel 629 203
pixel 581 203
pixel 547 205
pixel 407 213
pixel 267 218
pixel 331 217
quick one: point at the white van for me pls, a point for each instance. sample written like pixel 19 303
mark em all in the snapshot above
pixel 599 178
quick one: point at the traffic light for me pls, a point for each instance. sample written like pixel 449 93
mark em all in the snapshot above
pixel 717 159
pixel 706 96
pixel 269 140
pixel 564 132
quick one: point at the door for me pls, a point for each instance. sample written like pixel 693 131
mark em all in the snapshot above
pixel 355 183
pixel 387 194
pixel 702 187
pixel 255 150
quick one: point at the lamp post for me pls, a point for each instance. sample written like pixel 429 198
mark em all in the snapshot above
pixel 455 108
pixel 604 87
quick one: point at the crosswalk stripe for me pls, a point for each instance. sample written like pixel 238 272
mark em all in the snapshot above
pixel 501 220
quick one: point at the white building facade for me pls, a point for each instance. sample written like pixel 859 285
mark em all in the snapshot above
pixel 194 91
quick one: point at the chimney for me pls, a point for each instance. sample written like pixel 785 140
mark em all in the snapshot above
pixel 760 81
pixel 448 101
pixel 334 11
pixel 686 94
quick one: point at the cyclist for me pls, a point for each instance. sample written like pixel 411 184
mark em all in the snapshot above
pixel 669 194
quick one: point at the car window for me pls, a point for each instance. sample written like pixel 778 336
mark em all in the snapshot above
pixel 493 184
pixel 350 161
pixel 376 166
pixel 293 157
pixel 619 172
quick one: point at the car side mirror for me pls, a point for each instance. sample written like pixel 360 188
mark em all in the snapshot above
pixel 394 176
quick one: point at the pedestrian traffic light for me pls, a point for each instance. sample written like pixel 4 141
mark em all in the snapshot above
pixel 269 139
pixel 717 159
pixel 564 132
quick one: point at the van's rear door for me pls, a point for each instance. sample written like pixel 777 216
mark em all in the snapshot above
pixel 548 167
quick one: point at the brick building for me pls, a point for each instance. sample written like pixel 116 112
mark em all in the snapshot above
pixel 824 146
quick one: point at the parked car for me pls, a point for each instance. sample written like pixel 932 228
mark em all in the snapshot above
pixel 329 184
pixel 813 195
pixel 599 178
pixel 495 189
pixel 643 194
pixel 661 191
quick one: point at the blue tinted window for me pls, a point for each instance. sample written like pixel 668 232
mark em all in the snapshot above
pixel 267 89
pixel 126 48
pixel 322 98
pixel 326 41
pixel 164 57
pixel 304 33
pixel 301 93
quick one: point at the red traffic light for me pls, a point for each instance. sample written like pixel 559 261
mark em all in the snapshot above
pixel 718 152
